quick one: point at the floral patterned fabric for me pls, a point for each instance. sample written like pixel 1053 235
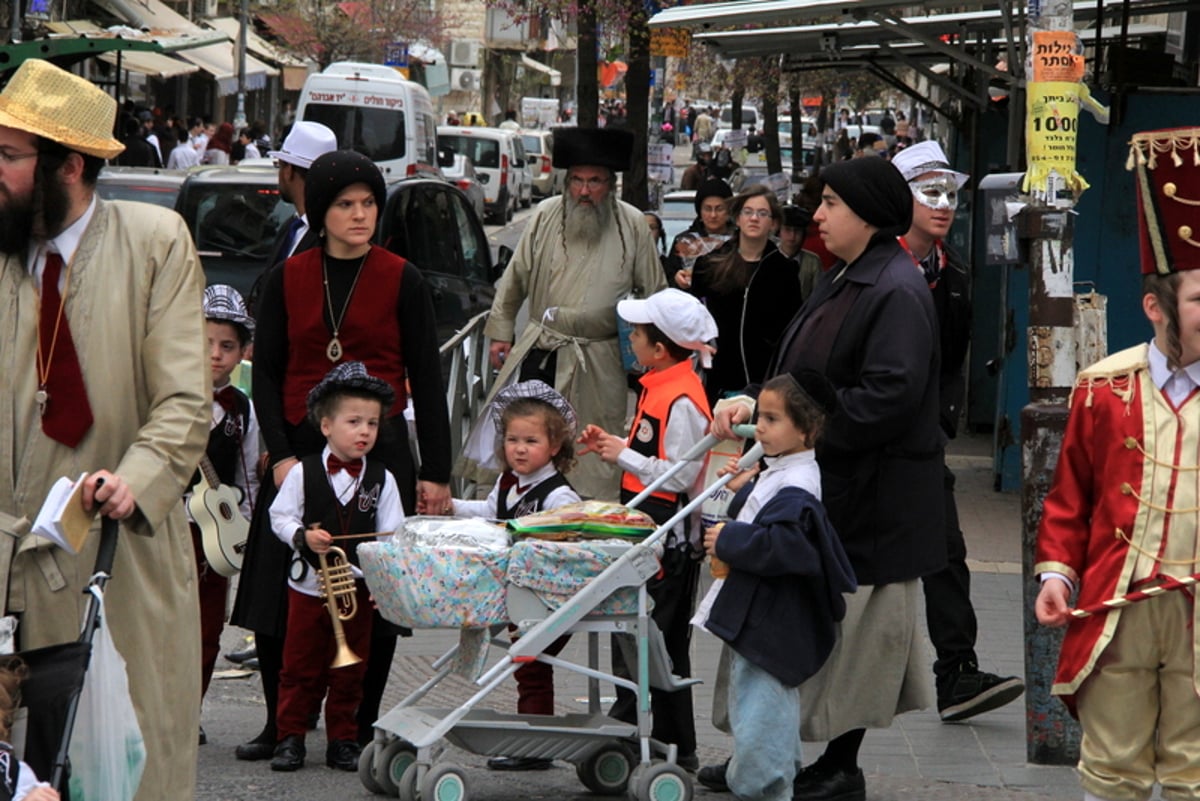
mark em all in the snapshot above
pixel 555 571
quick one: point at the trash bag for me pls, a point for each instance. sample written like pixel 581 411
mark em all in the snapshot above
pixel 107 751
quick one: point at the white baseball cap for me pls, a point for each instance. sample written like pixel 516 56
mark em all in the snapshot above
pixel 304 143
pixel 927 156
pixel 677 314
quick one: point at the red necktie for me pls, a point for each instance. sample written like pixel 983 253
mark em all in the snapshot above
pixel 333 464
pixel 227 397
pixel 67 415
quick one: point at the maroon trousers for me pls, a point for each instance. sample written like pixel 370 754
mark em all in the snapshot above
pixel 214 589
pixel 535 682
pixel 306 678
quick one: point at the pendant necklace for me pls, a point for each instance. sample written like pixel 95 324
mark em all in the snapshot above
pixel 42 397
pixel 334 350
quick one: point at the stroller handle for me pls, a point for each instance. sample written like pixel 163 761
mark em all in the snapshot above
pixel 693 453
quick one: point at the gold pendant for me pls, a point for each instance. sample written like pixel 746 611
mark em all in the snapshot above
pixel 334 351
pixel 41 397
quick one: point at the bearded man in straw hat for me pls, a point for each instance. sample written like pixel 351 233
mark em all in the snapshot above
pixel 102 353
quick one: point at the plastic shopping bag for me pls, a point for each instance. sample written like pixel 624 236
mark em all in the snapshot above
pixel 716 504
pixel 107 751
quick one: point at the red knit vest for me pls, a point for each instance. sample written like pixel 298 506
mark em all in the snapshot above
pixel 661 388
pixel 370 331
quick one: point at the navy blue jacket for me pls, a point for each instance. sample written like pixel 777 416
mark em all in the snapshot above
pixel 783 595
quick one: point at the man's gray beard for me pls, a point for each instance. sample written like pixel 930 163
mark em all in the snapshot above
pixel 586 223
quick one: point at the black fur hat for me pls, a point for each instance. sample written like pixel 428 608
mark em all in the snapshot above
pixel 593 147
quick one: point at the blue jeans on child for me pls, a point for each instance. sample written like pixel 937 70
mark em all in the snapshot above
pixel 764 716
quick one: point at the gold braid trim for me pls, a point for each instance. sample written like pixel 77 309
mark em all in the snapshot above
pixel 1132 444
pixel 1144 148
pixel 1121 385
pixel 1121 535
pixel 1127 489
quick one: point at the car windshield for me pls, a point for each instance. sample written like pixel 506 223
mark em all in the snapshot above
pixel 533 144
pixel 375 132
pixel 234 227
pixel 483 153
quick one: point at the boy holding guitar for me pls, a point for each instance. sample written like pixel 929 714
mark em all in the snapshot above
pixel 219 502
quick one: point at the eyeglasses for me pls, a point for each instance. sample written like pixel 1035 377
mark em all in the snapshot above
pixel 761 214
pixel 591 183
pixel 7 157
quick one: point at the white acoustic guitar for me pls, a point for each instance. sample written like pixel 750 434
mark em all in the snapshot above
pixel 223 529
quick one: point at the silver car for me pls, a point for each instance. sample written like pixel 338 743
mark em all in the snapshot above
pixel 548 180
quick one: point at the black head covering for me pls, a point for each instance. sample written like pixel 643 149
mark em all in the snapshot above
pixel 796 217
pixel 817 387
pixel 350 377
pixel 712 187
pixel 593 147
pixel 333 172
pixel 874 190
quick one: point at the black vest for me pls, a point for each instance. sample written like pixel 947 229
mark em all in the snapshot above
pixel 225 443
pixel 357 516
pixel 10 772
pixel 532 500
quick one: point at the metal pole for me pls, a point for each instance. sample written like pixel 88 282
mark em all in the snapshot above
pixel 1052 736
pixel 239 117
pixel 14 34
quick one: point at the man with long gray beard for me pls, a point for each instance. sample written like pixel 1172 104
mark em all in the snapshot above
pixel 102 353
pixel 579 255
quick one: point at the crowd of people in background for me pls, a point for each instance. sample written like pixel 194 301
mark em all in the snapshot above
pixel 154 138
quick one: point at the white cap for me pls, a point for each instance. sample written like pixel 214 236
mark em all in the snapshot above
pixel 927 156
pixel 677 314
pixel 305 142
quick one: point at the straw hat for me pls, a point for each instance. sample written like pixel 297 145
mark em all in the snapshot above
pixel 50 102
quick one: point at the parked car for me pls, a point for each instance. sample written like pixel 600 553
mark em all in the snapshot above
pixel 236 213
pixel 677 212
pixel 499 165
pixel 548 180
pixel 749 117
pixel 145 184
pixel 461 173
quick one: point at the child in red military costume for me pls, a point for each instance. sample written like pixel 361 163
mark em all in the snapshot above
pixel 672 415
pixel 1124 512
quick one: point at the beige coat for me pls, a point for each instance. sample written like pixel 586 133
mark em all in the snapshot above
pixel 134 305
pixel 580 291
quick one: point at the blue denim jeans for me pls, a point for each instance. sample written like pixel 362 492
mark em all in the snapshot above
pixel 765 718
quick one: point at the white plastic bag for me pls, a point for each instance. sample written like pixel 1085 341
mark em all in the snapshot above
pixel 107 751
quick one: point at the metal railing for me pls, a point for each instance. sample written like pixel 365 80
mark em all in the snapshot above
pixel 469 379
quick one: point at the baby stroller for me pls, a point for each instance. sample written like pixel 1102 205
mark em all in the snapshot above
pixel 611 757
pixel 51 693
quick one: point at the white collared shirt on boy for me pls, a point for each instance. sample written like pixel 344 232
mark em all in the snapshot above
pixel 287 511
pixel 559 496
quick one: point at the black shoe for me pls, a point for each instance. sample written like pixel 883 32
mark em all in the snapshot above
pixel 251 663
pixel 289 754
pixel 239 657
pixel 256 750
pixel 519 763
pixel 690 763
pixel 970 692
pixel 815 783
pixel 713 777
pixel 342 754
pixel 203 737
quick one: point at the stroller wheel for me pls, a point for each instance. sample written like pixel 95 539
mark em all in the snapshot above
pixel 445 782
pixel 391 763
pixel 407 786
pixel 660 781
pixel 366 767
pixel 606 772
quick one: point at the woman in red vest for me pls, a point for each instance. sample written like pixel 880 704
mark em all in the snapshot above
pixel 347 300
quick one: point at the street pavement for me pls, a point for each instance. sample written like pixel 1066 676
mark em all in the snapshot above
pixel 918 757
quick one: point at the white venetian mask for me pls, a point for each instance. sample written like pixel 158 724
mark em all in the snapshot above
pixel 940 192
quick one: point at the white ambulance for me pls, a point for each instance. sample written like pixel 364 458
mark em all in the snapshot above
pixel 373 110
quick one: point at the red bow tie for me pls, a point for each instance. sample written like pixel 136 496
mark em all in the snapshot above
pixel 333 464
pixel 227 397
pixel 508 480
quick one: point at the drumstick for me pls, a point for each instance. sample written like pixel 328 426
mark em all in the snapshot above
pixel 1169 583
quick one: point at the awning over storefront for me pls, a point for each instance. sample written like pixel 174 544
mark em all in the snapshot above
pixel 155 65
pixel 217 60
pixel 555 75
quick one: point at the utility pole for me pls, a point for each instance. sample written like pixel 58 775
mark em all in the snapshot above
pixel 1054 69
pixel 239 117
pixel 14 33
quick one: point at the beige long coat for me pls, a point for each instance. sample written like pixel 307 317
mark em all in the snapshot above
pixel 134 305
pixel 582 288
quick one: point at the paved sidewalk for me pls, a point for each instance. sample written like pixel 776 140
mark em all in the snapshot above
pixel 919 757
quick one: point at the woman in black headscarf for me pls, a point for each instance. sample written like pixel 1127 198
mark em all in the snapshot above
pixel 871 329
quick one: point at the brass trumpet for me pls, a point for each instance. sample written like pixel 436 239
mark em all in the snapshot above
pixel 335 582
